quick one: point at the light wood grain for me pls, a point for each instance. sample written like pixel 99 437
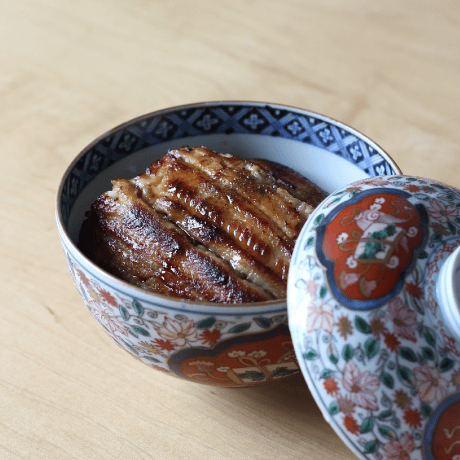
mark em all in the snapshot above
pixel 72 70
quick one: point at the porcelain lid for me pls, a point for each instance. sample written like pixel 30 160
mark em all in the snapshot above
pixel 377 344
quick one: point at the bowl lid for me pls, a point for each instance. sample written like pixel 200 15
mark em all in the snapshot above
pixel 374 314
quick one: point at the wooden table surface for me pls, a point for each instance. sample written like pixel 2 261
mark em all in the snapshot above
pixel 72 70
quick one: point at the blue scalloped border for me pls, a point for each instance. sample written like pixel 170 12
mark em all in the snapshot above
pixel 225 119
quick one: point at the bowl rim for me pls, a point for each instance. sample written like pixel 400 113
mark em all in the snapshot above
pixel 269 306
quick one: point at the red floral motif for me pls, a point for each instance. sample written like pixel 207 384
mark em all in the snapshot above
pixel 414 290
pixel 413 418
pixel 351 424
pixel 412 188
pixel 401 449
pixel 106 318
pixel 391 341
pixel 431 386
pixel 361 386
pixel 320 317
pixel 83 278
pixel 178 332
pixel 449 342
pixel 330 385
pixel 403 319
pixel 369 243
pixel 107 297
pixel 165 344
pixel 210 337
pixel 442 212
pixel 311 287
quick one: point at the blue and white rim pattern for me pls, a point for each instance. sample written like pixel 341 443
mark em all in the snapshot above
pixel 221 118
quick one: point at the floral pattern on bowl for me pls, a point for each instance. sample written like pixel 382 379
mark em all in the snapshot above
pixel 223 350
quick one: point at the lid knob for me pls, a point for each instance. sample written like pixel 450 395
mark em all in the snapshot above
pixel 448 292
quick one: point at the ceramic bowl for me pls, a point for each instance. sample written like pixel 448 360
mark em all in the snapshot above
pixel 204 342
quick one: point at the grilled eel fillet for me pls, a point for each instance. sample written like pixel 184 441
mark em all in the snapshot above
pixel 203 226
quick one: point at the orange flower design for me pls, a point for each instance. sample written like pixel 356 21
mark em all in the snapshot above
pixel 165 344
pixel 391 342
pixel 351 424
pixel 413 418
pixel 210 337
pixel 83 278
pixel 109 298
pixel 414 290
pixel 330 385
pixel 412 188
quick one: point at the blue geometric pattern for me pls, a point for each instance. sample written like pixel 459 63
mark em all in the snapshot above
pixel 221 118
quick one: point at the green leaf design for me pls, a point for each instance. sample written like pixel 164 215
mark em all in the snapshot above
pixel 310 241
pixel 124 313
pixel 452 228
pixel 408 354
pixel 334 359
pixel 385 414
pixel 404 373
pixel 333 408
pixel 206 323
pixel 138 308
pixel 429 337
pixel 326 373
pixel 323 291
pixel 239 328
pixel 371 447
pixel 141 331
pixel 428 353
pixel 319 219
pixel 362 325
pixel 347 352
pixel 436 237
pixel 371 346
pixel 310 355
pixel 446 365
pixel 423 255
pixel 426 410
pixel 262 322
pixel 388 380
pixel 367 425
pixel 384 431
